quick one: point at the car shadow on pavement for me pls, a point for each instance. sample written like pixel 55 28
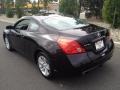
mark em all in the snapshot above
pixel 91 75
pixel 99 74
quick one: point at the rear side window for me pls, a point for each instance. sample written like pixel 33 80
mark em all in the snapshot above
pixel 64 23
pixel 33 26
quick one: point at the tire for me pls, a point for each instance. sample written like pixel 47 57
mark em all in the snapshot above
pixel 45 66
pixel 7 43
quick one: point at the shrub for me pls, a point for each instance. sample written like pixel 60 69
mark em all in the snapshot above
pixel 9 13
pixel 34 10
pixel 19 12
pixel 69 7
pixel 111 12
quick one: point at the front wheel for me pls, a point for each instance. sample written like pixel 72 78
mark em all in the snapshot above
pixel 45 65
pixel 7 43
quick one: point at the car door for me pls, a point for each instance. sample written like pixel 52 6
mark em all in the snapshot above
pixel 30 43
pixel 18 35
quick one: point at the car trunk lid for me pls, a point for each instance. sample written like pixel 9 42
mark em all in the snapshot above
pixel 92 37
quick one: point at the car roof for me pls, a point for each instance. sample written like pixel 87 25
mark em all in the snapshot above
pixel 40 18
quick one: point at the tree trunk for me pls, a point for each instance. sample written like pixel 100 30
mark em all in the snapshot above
pixel 38 4
pixel 80 3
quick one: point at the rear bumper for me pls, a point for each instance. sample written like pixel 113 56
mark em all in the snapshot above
pixel 99 61
pixel 85 61
pixel 82 59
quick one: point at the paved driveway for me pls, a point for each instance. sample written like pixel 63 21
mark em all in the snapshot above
pixel 19 73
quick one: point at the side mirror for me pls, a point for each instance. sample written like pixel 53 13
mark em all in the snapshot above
pixel 9 27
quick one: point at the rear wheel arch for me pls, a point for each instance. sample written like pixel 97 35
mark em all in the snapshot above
pixel 42 51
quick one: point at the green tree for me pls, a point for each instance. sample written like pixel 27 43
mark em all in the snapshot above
pixel 34 8
pixel 38 4
pixel 70 7
pixel 22 3
pixel 111 12
pixel 2 2
pixel 9 11
pixel 8 3
pixel 20 7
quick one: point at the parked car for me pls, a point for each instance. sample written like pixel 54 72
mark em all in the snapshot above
pixel 44 12
pixel 59 43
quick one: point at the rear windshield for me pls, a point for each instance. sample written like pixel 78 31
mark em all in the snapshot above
pixel 64 23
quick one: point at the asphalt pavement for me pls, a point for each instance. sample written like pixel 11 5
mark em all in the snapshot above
pixel 19 73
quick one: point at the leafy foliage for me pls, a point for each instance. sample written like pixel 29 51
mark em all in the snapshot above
pixel 70 7
pixel 19 7
pixel 22 3
pixel 9 10
pixel 19 11
pixel 34 8
pixel 111 12
pixel 9 13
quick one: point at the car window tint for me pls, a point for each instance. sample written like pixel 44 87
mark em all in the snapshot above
pixel 33 26
pixel 22 25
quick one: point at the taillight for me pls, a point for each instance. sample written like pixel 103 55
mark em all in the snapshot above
pixel 70 46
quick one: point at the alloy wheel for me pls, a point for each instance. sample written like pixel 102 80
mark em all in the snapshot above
pixel 44 66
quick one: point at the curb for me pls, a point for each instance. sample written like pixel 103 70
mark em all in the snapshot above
pixel 7 21
pixel 118 43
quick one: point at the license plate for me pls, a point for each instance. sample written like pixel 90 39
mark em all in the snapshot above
pixel 99 45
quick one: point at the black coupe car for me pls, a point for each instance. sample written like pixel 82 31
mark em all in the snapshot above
pixel 59 43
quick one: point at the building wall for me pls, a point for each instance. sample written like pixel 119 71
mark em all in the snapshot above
pixel 53 6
